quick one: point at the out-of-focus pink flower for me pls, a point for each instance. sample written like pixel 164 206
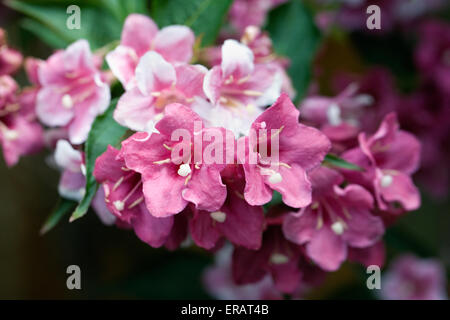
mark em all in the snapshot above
pixel 20 134
pixel 389 157
pixel 158 83
pixel 237 221
pixel 301 149
pixel 139 35
pixel 219 282
pixel 244 13
pixel 10 59
pixel 411 278
pixel 369 256
pixel 433 53
pixel 338 117
pixel 169 183
pixel 338 218
pixel 238 89
pixel 72 91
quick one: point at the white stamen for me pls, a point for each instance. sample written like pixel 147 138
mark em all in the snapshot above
pixel 219 216
pixel 158 117
pixel 275 178
pixel 364 99
pixel 83 169
pixel 67 101
pixel 338 227
pixel 386 180
pixel 11 134
pixel 279 258
pixel 263 125
pixel 334 115
pixel 184 170
pixel 119 205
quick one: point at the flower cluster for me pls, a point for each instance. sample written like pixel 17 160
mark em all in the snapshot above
pixel 211 148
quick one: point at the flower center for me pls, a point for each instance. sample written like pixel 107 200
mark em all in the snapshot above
pixel 334 114
pixel 184 170
pixel 67 101
pixel 386 180
pixel 219 216
pixel 338 227
pixel 279 258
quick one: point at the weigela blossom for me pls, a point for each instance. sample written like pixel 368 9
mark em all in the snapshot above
pixel 237 221
pixel 20 134
pixel 158 83
pixel 338 218
pixel 124 197
pixel 389 157
pixel 238 89
pixel 140 35
pixel 300 149
pixel 72 91
pixel 10 59
pixel 412 278
pixel 170 183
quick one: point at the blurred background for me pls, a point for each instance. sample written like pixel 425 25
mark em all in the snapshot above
pixel 115 264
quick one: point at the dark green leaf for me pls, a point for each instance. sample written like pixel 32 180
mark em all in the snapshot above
pixel 334 161
pixel 122 8
pixel 204 16
pixel 105 131
pixel 294 34
pixel 62 208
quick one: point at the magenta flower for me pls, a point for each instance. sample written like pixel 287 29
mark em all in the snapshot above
pixel 123 195
pixel 389 157
pixel 301 149
pixel 10 59
pixel 433 53
pixel 139 35
pixel 219 282
pixel 158 83
pixel 237 221
pixel 411 278
pixel 238 89
pixel 338 218
pixel 277 257
pixel 73 92
pixel 20 134
pixel 172 178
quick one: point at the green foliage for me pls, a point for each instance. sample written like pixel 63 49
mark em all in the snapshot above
pixel 334 161
pixel 294 34
pixel 105 131
pixel 62 208
pixel 205 17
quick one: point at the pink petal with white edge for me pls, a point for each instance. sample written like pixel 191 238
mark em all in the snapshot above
pixel 67 157
pixel 237 59
pixel 175 43
pixel 123 61
pixel 49 107
pixel 138 33
pixel 153 73
pixel 401 189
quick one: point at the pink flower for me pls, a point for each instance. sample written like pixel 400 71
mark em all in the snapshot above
pixel 338 117
pixel 237 221
pixel 139 35
pixel 433 53
pixel 411 278
pixel 338 218
pixel 158 83
pixel 73 92
pixel 301 149
pixel 390 156
pixel 124 197
pixel 171 178
pixel 244 13
pixel 238 89
pixel 10 59
pixel 20 134
pixel 219 282
pixel 277 257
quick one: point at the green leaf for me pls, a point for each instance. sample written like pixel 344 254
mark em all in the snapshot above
pixel 105 131
pixel 294 35
pixel 97 25
pixel 122 8
pixel 334 161
pixel 62 208
pixel 205 17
